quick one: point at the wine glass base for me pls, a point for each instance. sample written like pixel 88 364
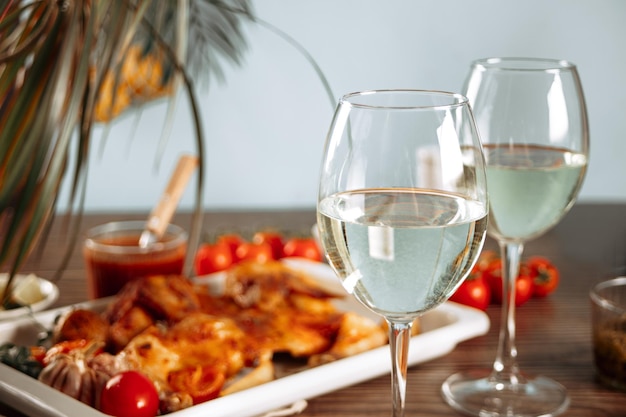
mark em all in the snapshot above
pixel 484 396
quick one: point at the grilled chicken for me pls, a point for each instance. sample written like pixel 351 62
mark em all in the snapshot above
pixel 197 345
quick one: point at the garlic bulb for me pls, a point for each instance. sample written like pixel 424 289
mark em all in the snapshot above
pixel 80 374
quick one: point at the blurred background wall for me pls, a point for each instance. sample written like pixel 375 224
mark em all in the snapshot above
pixel 266 123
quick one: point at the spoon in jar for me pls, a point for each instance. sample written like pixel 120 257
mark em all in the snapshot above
pixel 162 213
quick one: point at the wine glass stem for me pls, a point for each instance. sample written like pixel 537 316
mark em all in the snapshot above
pixel 399 336
pixel 505 368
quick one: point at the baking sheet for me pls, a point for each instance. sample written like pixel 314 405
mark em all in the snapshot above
pixel 442 329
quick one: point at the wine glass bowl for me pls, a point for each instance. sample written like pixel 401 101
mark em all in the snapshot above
pixel 402 205
pixel 532 119
pixel 529 200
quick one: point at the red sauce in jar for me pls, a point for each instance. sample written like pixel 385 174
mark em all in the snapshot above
pixel 114 261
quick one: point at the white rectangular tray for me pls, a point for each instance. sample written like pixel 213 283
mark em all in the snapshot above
pixel 442 329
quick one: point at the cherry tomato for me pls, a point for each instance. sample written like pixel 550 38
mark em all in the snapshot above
pixel 212 258
pixel 484 260
pixel 232 240
pixel 257 252
pixel 274 239
pixel 474 292
pixel 544 274
pixel 203 383
pixel 129 394
pixel 523 283
pixel 303 247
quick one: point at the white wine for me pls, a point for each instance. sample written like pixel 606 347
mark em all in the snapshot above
pixel 401 251
pixel 530 188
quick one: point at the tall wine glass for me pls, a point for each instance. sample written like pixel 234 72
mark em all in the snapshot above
pixel 402 209
pixel 532 119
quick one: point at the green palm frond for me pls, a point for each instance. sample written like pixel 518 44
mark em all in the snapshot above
pixel 55 57
pixel 63 68
pixel 44 78
pixel 215 32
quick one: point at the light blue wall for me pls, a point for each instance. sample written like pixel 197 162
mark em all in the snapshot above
pixel 266 124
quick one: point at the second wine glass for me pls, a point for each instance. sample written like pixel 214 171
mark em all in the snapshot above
pixel 402 209
pixel 533 123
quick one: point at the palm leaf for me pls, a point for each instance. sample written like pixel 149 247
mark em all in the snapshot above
pixel 215 30
pixel 23 182
pixel 52 71
pixel 45 90
pixel 55 58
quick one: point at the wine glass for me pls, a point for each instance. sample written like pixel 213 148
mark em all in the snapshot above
pixel 532 120
pixel 402 208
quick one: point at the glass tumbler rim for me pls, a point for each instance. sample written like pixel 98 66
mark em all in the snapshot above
pixel 180 236
pixel 358 99
pixel 596 295
pixel 529 64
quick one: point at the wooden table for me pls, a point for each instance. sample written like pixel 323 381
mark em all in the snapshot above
pixel 553 334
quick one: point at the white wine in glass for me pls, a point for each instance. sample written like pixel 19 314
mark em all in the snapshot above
pixel 402 208
pixel 532 119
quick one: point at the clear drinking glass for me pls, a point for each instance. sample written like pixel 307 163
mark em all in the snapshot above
pixel 402 208
pixel 533 124
pixel 608 325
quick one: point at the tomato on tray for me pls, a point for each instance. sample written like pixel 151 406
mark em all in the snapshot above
pixel 129 394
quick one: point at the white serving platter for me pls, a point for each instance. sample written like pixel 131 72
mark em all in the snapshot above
pixel 49 291
pixel 442 329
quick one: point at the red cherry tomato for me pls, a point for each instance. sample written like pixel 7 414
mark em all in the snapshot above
pixel 544 274
pixel 212 258
pixel 129 394
pixel 203 383
pixel 474 292
pixel 484 260
pixel 256 252
pixel 232 240
pixel 303 248
pixel 274 239
pixel 523 283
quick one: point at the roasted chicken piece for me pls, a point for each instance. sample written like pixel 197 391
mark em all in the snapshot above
pixel 141 303
pixel 198 355
pixel 197 339
pixel 81 324
pixel 196 345
pixel 288 330
pixel 164 297
pixel 356 334
pixel 280 308
pixel 128 325
pixel 288 311
pixel 267 286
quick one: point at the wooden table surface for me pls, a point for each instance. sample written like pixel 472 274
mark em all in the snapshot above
pixel 553 334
